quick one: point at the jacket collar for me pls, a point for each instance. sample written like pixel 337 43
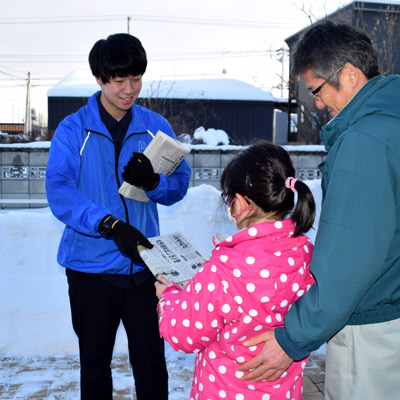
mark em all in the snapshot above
pixel 359 106
pixel 94 121
pixel 283 228
pixel 109 121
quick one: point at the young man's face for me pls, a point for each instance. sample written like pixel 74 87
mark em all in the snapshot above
pixel 119 94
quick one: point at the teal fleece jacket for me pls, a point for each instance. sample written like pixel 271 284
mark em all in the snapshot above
pixel 356 259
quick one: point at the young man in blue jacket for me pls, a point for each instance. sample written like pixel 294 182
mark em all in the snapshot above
pixel 92 152
pixel 355 303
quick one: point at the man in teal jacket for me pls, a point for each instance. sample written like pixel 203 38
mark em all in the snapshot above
pixel 355 303
pixel 92 152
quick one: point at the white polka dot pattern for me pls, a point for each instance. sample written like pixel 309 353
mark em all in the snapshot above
pixel 278 225
pixel 245 288
pixel 252 231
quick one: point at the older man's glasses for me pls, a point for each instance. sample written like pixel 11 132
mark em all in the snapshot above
pixel 314 93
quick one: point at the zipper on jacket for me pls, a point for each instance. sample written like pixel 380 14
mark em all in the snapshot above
pixel 116 158
pixel 117 153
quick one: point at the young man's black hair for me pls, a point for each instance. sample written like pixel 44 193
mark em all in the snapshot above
pixel 119 55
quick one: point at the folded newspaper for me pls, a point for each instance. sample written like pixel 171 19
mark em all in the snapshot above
pixel 165 154
pixel 173 256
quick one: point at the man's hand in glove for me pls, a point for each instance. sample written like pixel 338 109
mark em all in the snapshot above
pixel 127 239
pixel 139 172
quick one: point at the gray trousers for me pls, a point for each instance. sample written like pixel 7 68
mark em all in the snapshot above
pixel 363 363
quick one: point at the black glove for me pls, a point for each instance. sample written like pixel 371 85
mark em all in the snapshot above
pixel 127 238
pixel 140 172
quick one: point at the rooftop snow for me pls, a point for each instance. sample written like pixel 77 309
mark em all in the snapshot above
pixel 83 84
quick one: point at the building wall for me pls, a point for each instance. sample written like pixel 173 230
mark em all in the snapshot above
pixel 23 170
pixel 12 128
pixel 60 107
pixel 243 121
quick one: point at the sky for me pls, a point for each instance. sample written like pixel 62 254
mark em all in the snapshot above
pixel 184 39
pixel 34 306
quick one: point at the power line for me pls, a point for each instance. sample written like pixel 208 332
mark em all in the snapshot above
pixel 56 20
pixel 11 86
pixel 57 58
pixel 10 76
pixel 152 18
pixel 10 69
pixel 205 55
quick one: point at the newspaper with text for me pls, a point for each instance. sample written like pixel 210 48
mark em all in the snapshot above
pixel 173 256
pixel 165 154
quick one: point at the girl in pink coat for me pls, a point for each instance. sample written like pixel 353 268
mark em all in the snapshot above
pixel 251 280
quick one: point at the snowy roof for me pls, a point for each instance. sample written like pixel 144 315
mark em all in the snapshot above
pixel 83 84
pixel 341 7
pixel 388 2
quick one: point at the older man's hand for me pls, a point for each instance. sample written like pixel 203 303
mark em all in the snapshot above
pixel 270 363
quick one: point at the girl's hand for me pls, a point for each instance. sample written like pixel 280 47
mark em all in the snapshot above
pixel 161 284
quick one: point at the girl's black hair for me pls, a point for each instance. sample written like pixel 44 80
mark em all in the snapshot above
pixel 260 172
pixel 120 55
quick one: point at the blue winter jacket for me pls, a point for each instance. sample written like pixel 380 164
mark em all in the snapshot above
pixel 356 259
pixel 82 180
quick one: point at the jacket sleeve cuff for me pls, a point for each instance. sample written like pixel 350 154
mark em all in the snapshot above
pixel 291 348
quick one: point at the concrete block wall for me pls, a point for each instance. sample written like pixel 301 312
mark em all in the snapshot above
pixel 23 170
pixel 207 165
pixel 306 164
pixel 22 183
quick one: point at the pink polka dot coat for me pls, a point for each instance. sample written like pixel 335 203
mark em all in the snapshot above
pixel 247 287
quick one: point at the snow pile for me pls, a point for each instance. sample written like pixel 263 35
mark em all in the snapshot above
pixel 34 305
pixel 213 137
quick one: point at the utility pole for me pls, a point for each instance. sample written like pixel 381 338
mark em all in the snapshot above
pixel 28 115
pixel 128 23
pixel 282 64
pixel 281 58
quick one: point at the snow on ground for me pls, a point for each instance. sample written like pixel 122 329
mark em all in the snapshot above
pixel 34 306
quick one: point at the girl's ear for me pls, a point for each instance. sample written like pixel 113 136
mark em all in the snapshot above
pixel 242 201
pixel 248 200
pixel 245 201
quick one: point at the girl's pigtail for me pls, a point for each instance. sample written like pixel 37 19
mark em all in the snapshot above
pixel 304 213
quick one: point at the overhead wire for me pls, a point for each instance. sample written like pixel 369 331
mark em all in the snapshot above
pixel 10 76
pixel 57 58
pixel 19 81
pixel 64 58
pixel 152 18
